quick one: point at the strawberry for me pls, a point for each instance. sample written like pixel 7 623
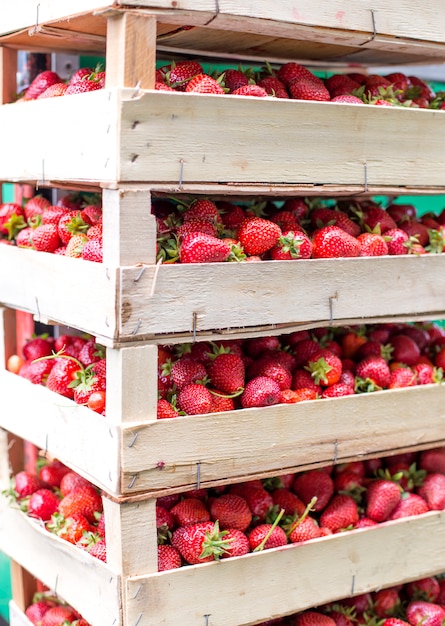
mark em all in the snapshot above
pixel 372 373
pixel 324 216
pixel 186 371
pixel 80 74
pixel 402 377
pixel 166 410
pixel 237 543
pixel 196 226
pixel 314 483
pixel 180 74
pixel 52 214
pixel 84 500
pixel 334 242
pixel 397 241
pixel 273 87
pixel 25 484
pixel 194 399
pixel 411 504
pixel 11 219
pixel 92 251
pixel 37 348
pixel 290 502
pixel 42 504
pixel 386 602
pixel 346 99
pixel 233 79
pixel 250 90
pixel 304 530
pixel 71 481
pixel 71 529
pixel 45 238
pixel 277 537
pixel 23 238
pixel 71 223
pixel 37 610
pixel 291 71
pixel 405 349
pixel 41 82
pixel 340 514
pixel 260 391
pixel 62 375
pixel 341 83
pixel 432 491
pixel 424 613
pixel 58 616
pixel 90 82
pixel 36 206
pixel 423 589
pixel 54 91
pixel 308 89
pixel 258 498
pixel 372 244
pixel 53 472
pixel 258 235
pixel 200 543
pixel 201 248
pixel 203 83
pixel 75 246
pixel 231 511
pixel 202 209
pixel 227 373
pixel 98 549
pixel 313 618
pixel 256 346
pixel 190 511
pixel 220 403
pixel 325 367
pixel 292 245
pixel 338 390
pixel 168 558
pixel 382 497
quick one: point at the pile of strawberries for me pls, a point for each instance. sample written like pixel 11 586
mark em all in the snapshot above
pixel 70 365
pixel 47 609
pixel 322 363
pixel 71 228
pixel 206 525
pixel 417 603
pixel 48 84
pixel 68 505
pixel 294 81
pixel 206 231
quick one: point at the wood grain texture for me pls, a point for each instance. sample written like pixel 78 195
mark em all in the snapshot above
pixel 278 582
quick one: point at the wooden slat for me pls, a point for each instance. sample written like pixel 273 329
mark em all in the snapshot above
pixel 8 73
pixel 258 587
pixel 17 616
pixel 82 580
pixel 23 586
pixel 157 137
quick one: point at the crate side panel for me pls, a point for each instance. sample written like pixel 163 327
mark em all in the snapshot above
pixel 83 581
pixel 151 305
pixel 49 285
pixel 252 441
pixel 68 431
pixel 159 140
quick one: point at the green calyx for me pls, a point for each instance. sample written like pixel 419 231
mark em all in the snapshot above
pixel 319 370
pixel 214 543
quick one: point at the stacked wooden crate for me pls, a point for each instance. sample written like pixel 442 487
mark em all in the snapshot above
pixel 130 142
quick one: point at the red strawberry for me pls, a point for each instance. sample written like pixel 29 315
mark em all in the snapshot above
pixel 37 348
pixel 405 349
pixel 255 347
pixel 250 90
pixel 166 410
pixel 84 500
pixel 285 499
pixel 258 235
pixel 76 245
pixel 26 484
pixel 410 505
pixel 42 81
pixel 190 511
pixel 382 497
pixel 181 73
pixel 36 206
pixel 346 99
pixel 314 483
pixel 386 602
pixel 11 214
pixel 372 244
pixel 313 618
pixel 80 74
pixel 62 374
pixel 308 89
pixel 432 491
pixel 91 82
pixel 231 511
pixel 71 223
pixel 277 537
pixel 202 83
pixel 71 529
pixel 325 367
pixel 341 82
pixel 372 372
pixel 334 242
pixel 99 550
pixel 291 245
pixel 221 403
pixel 168 558
pixel 274 87
pixel 233 79
pixel 304 530
pixel 201 248
pixel 58 616
pixel 227 373
pixel 324 216
pixel 424 589
pixel 260 391
pixel 338 390
pixel 237 543
pixel 402 377
pixel 194 399
pixel 37 610
pixel 71 481
pixel 200 543
pixel 42 504
pixel 53 472
pixel 23 238
pixel 340 514
pixel 92 251
pixel 193 226
pixel 290 71
pixel 259 500
pixel 394 621
pixel 54 91
pixel 421 613
pixel 186 371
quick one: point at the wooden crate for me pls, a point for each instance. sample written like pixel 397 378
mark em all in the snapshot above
pixel 143 136
pixel 365 32
pixel 139 454
pixel 239 591
pixel 17 617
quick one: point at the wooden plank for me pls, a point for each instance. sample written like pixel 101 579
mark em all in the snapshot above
pixel 78 577
pixel 23 586
pixel 17 616
pixel 68 431
pixel 156 133
pixel 8 69
pixel 257 291
pixel 131 51
pixel 8 343
pixel 246 590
